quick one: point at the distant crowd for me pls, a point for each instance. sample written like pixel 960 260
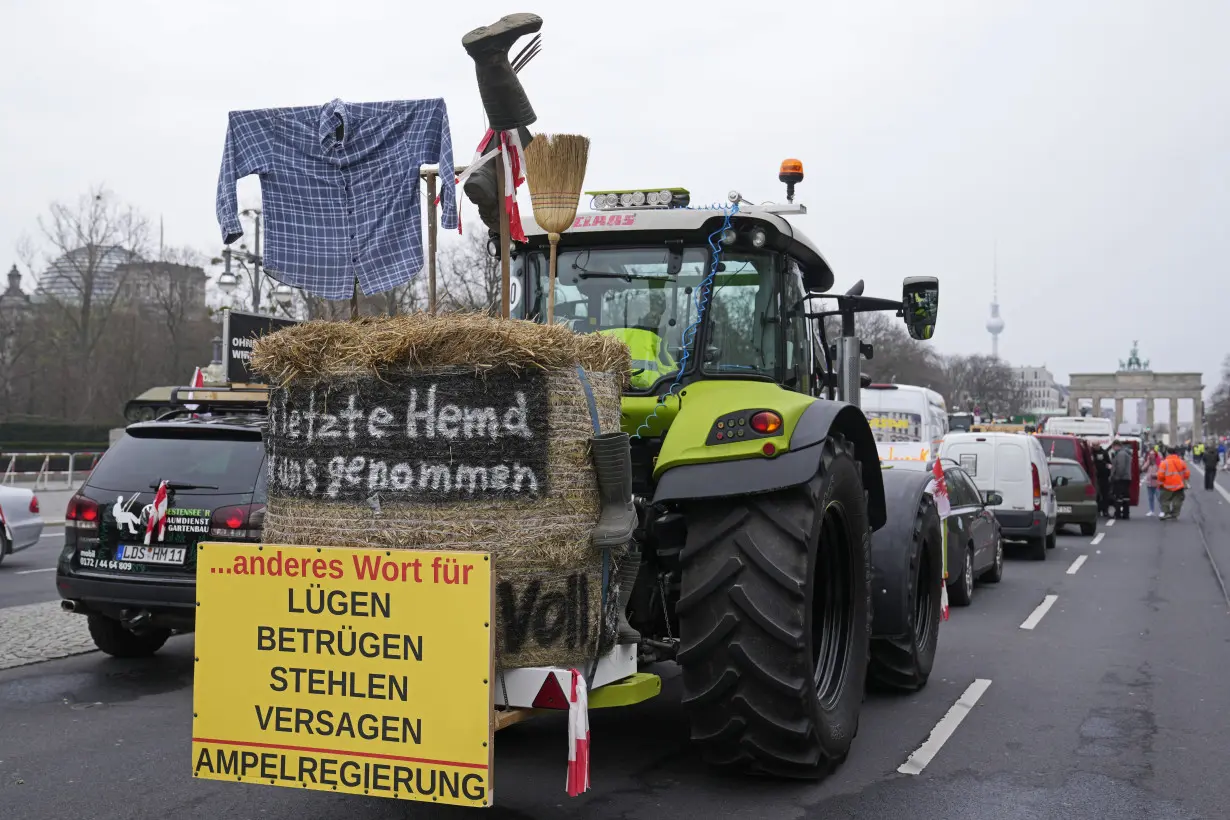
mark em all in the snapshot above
pixel 1164 470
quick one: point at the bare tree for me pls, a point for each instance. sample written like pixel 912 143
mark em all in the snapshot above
pixel 18 344
pixel 82 245
pixel 986 383
pixel 470 278
pixel 896 357
pixel 75 262
pixel 1218 417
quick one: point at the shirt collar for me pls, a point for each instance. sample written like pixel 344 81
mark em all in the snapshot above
pixel 332 115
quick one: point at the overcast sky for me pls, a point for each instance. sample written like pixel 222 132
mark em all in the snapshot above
pixel 1088 140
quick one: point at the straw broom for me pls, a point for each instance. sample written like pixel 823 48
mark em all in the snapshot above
pixel 555 172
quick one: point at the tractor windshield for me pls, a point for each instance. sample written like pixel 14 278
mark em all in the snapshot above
pixel 636 295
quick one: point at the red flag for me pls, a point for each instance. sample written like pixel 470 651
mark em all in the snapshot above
pixel 157 514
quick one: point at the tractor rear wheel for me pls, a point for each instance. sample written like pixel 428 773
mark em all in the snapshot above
pixel 774 621
pixel 904 663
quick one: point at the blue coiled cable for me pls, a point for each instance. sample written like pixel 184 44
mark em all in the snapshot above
pixel 701 299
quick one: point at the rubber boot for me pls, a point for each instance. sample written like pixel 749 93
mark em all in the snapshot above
pixel 483 186
pixel 504 99
pixel 613 465
pixel 628 571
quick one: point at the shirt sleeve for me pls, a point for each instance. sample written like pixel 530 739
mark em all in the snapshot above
pixel 448 177
pixel 244 153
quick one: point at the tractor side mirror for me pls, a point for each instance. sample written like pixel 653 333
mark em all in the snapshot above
pixel 920 304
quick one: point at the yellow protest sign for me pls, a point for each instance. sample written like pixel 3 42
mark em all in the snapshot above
pixel 345 670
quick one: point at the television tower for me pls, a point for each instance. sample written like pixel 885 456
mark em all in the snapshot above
pixel 995 325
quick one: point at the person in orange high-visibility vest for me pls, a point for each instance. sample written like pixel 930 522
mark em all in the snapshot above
pixel 1172 476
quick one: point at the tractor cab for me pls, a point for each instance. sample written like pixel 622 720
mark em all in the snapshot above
pixel 639 264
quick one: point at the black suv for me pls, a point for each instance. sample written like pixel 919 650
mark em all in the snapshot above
pixel 135 595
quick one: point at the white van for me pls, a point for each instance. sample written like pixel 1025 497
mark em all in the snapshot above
pixel 905 414
pixel 1013 465
pixel 1097 429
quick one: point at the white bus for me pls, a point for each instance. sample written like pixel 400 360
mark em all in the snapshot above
pixel 905 414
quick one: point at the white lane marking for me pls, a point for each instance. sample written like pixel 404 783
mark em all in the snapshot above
pixel 1076 564
pixel 1043 608
pixel 51 535
pixel 943 730
pixel 1097 539
pixel 29 571
pixel 1110 523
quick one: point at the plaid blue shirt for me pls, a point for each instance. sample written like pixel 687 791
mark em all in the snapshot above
pixel 337 210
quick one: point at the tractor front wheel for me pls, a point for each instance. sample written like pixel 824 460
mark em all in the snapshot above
pixel 904 663
pixel 774 621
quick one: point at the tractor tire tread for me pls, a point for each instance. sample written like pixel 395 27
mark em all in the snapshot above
pixel 748 689
pixel 901 663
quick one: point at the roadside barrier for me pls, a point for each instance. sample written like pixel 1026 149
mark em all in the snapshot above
pixel 78 465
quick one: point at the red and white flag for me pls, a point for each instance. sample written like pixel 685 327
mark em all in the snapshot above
pixel 942 502
pixel 198 380
pixel 939 489
pixel 158 514
pixel 578 737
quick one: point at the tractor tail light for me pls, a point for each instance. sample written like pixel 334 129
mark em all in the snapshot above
pixel 766 422
pixel 1089 491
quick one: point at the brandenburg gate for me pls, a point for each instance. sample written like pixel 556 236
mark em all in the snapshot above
pixel 1134 380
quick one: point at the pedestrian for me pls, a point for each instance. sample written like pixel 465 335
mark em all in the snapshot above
pixel 1152 462
pixel 1121 478
pixel 1173 476
pixel 1210 468
pixel 1101 466
pixel 1221 451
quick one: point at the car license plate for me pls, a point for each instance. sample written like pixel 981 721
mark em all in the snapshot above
pixel 150 554
pixel 1065 509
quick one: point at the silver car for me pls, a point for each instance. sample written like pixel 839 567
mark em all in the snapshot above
pixel 23 525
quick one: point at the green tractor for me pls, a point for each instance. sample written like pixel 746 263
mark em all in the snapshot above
pixel 779 565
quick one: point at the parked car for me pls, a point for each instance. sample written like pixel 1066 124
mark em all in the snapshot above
pixel 1013 466
pixel 1078 449
pixel 23 523
pixel 135 595
pixel 1075 495
pixel 975 542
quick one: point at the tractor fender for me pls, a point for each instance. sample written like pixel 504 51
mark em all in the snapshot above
pixel 892 549
pixel 797 465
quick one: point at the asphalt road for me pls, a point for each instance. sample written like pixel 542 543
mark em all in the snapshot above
pixel 1114 705
pixel 28 577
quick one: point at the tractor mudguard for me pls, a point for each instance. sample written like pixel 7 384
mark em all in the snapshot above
pixel 796 465
pixel 891 549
